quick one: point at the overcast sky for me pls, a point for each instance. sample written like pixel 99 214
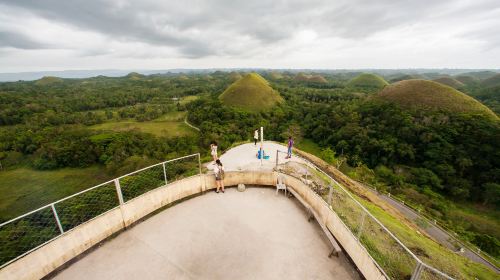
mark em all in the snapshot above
pixel 40 35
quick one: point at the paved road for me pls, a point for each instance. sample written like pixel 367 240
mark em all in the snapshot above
pixel 432 230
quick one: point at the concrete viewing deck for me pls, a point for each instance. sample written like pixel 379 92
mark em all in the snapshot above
pixel 249 235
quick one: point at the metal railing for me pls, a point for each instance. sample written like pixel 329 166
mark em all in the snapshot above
pixel 393 257
pixel 28 232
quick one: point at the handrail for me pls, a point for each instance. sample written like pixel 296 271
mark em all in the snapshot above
pixel 52 205
pixel 419 262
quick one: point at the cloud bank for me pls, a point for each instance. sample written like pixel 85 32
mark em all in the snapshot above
pixel 97 34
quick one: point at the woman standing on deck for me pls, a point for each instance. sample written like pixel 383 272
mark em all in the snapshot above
pixel 213 150
pixel 219 176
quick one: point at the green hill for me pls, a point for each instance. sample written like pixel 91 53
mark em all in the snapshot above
pixel 432 96
pixel 449 81
pixel 252 93
pixel 275 75
pixel 481 75
pixel 492 81
pixel 234 76
pixel 406 77
pixel 134 76
pixel 466 80
pixel 301 77
pixel 368 81
pixel 48 80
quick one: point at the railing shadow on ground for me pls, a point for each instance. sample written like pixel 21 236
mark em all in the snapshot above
pixel 394 259
pixel 28 232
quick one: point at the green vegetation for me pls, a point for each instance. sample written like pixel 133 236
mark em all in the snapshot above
pixel 24 189
pixel 170 125
pixel 449 81
pixel 367 82
pixel 252 93
pixel 432 96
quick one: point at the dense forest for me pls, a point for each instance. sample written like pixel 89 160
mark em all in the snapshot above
pixel 435 158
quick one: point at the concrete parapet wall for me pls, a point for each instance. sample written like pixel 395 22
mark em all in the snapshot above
pixel 69 245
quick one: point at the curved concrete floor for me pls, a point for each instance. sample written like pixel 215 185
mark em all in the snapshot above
pixel 250 235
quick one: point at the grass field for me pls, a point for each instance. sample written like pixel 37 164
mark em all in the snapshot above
pixel 169 125
pixel 24 189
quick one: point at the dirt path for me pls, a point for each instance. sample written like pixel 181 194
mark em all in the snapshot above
pixel 190 125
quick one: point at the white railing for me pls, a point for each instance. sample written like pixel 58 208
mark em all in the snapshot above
pixel 30 231
pixel 392 256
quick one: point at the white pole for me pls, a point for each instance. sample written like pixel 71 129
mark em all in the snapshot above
pixel 261 144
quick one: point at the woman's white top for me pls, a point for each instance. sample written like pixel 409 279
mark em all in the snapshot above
pixel 214 150
pixel 256 135
pixel 218 168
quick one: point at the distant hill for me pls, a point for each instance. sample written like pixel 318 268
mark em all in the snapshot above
pixel 467 80
pixel 252 93
pixel 368 81
pixel 406 77
pixel 301 77
pixel 234 76
pixel 48 80
pixel 432 96
pixel 493 81
pixel 449 81
pixel 276 75
pixel 480 74
pixel 134 76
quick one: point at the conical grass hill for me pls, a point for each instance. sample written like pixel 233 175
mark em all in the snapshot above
pixel 48 80
pixel 251 93
pixel 449 81
pixel 432 96
pixel 368 81
pixel 301 77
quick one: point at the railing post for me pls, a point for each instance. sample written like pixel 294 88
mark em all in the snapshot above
pixel 418 270
pixel 330 194
pixel 277 154
pixel 165 173
pixel 199 163
pixel 59 225
pixel 119 191
pixel 363 215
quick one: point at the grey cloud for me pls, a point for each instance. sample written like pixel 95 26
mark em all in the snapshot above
pixel 19 41
pixel 198 28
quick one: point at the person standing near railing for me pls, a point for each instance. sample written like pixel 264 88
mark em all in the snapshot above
pixel 213 150
pixel 290 146
pixel 219 175
pixel 256 137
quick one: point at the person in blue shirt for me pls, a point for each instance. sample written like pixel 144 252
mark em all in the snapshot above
pixel 290 146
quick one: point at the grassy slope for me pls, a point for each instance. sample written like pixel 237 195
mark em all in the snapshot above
pixel 368 80
pixel 169 125
pixel 252 92
pixel 24 189
pixel 429 95
pixel 425 248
